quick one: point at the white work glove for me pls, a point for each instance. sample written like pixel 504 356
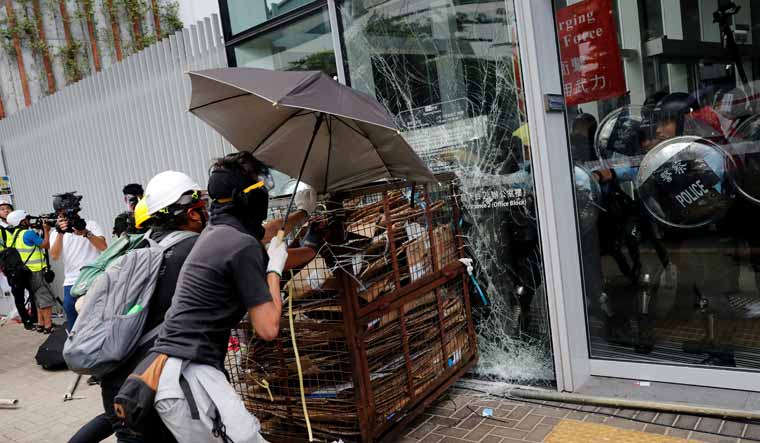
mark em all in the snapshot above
pixel 306 199
pixel 278 255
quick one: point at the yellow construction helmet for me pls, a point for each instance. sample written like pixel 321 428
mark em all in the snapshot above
pixel 141 213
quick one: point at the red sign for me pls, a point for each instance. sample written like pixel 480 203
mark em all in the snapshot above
pixel 588 47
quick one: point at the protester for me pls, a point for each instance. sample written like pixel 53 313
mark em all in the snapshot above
pixel 31 248
pixel 28 317
pixel 125 222
pixel 173 202
pixel 77 241
pixel 227 274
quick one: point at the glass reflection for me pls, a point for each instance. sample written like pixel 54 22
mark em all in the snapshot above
pixel 671 259
pixel 245 14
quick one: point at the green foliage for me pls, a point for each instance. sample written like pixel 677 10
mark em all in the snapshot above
pixel 111 14
pixel 110 11
pixel 319 61
pixel 146 40
pixel 6 38
pixel 51 5
pixel 110 41
pixel 86 11
pixel 70 55
pixel 25 30
pixel 380 25
pixel 136 11
pixel 170 21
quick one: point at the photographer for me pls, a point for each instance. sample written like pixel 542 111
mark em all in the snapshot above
pixel 125 222
pixel 30 247
pixel 78 241
pixel 6 233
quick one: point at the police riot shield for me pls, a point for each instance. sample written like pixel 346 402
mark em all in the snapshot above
pixel 686 182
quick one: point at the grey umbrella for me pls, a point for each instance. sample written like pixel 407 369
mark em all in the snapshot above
pixel 306 125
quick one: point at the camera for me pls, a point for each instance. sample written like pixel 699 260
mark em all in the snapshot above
pixel 66 205
pixel 37 222
pixel 75 222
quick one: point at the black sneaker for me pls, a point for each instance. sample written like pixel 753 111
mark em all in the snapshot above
pixel 40 329
pixel 28 326
pixel 47 331
pixel 93 380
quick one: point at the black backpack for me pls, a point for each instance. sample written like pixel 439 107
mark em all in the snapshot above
pixel 10 261
pixel 50 353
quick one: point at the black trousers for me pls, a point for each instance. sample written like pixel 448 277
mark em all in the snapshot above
pixel 17 289
pixel 94 431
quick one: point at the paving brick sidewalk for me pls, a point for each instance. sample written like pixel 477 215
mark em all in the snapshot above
pixel 457 418
pixel 42 416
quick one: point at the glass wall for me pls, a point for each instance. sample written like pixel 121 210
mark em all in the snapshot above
pixel 302 45
pixel 244 14
pixel 449 72
pixel 664 127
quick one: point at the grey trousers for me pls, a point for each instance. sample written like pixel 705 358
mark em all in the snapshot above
pixel 211 392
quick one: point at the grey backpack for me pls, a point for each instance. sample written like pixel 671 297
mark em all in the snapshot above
pixel 111 324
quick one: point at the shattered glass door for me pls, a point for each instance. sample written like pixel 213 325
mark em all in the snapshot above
pixel 449 71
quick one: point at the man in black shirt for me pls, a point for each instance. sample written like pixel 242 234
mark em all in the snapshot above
pixel 173 202
pixel 227 274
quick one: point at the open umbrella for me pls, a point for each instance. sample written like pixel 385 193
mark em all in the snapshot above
pixel 306 125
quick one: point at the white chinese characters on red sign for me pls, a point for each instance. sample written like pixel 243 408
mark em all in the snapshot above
pixel 591 62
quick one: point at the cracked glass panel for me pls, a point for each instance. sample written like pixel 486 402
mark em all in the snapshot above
pixel 449 72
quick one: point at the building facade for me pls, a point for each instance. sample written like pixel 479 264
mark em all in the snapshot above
pixel 606 152
pixel 46 45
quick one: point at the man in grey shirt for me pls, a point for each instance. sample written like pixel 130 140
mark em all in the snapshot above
pixel 227 274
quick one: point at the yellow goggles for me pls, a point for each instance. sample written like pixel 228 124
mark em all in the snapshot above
pixel 256 185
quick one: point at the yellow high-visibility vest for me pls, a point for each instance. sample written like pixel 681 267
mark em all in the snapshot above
pixel 33 256
pixel 6 236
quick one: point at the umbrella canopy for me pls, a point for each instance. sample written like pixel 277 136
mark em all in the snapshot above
pixel 304 121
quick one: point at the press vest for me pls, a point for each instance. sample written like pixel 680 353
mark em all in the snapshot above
pixel 6 235
pixel 31 255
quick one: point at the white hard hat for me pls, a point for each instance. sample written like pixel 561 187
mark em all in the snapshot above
pixel 16 217
pixel 166 188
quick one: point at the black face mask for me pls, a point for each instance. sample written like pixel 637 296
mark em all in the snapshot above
pixel 252 208
pixel 253 225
